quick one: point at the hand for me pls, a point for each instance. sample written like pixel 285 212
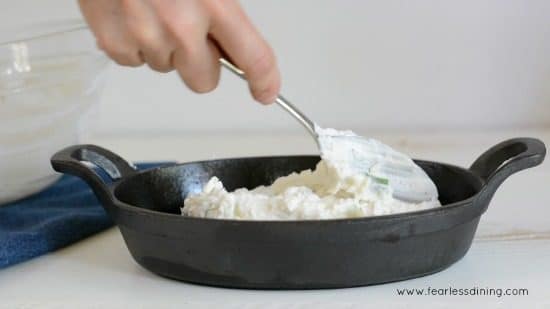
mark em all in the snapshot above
pixel 186 35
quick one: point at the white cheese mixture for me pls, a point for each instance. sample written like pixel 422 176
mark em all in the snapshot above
pixel 333 190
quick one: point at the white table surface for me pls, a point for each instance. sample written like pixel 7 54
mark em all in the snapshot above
pixel 511 248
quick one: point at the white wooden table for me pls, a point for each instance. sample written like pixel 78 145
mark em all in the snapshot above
pixel 511 248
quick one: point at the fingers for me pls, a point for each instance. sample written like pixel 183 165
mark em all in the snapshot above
pixel 187 35
pixel 236 35
pixel 198 66
pixel 144 26
pixel 195 56
pixel 107 23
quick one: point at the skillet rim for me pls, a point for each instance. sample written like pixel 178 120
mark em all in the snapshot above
pixel 455 206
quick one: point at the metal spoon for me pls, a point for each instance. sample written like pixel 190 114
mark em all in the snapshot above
pixel 408 181
pixel 284 103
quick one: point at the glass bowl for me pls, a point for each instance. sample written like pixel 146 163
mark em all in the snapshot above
pixel 51 76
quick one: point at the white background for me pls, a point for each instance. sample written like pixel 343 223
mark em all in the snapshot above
pixel 365 65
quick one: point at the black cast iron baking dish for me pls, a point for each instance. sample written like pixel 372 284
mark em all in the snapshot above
pixel 290 254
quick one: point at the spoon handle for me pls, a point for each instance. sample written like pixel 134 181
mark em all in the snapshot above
pixel 284 103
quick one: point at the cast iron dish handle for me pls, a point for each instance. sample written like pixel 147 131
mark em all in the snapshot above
pixel 71 161
pixel 505 159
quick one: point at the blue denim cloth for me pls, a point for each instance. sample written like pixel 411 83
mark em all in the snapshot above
pixel 60 215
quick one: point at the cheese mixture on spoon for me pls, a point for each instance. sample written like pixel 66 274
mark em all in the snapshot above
pixel 335 189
